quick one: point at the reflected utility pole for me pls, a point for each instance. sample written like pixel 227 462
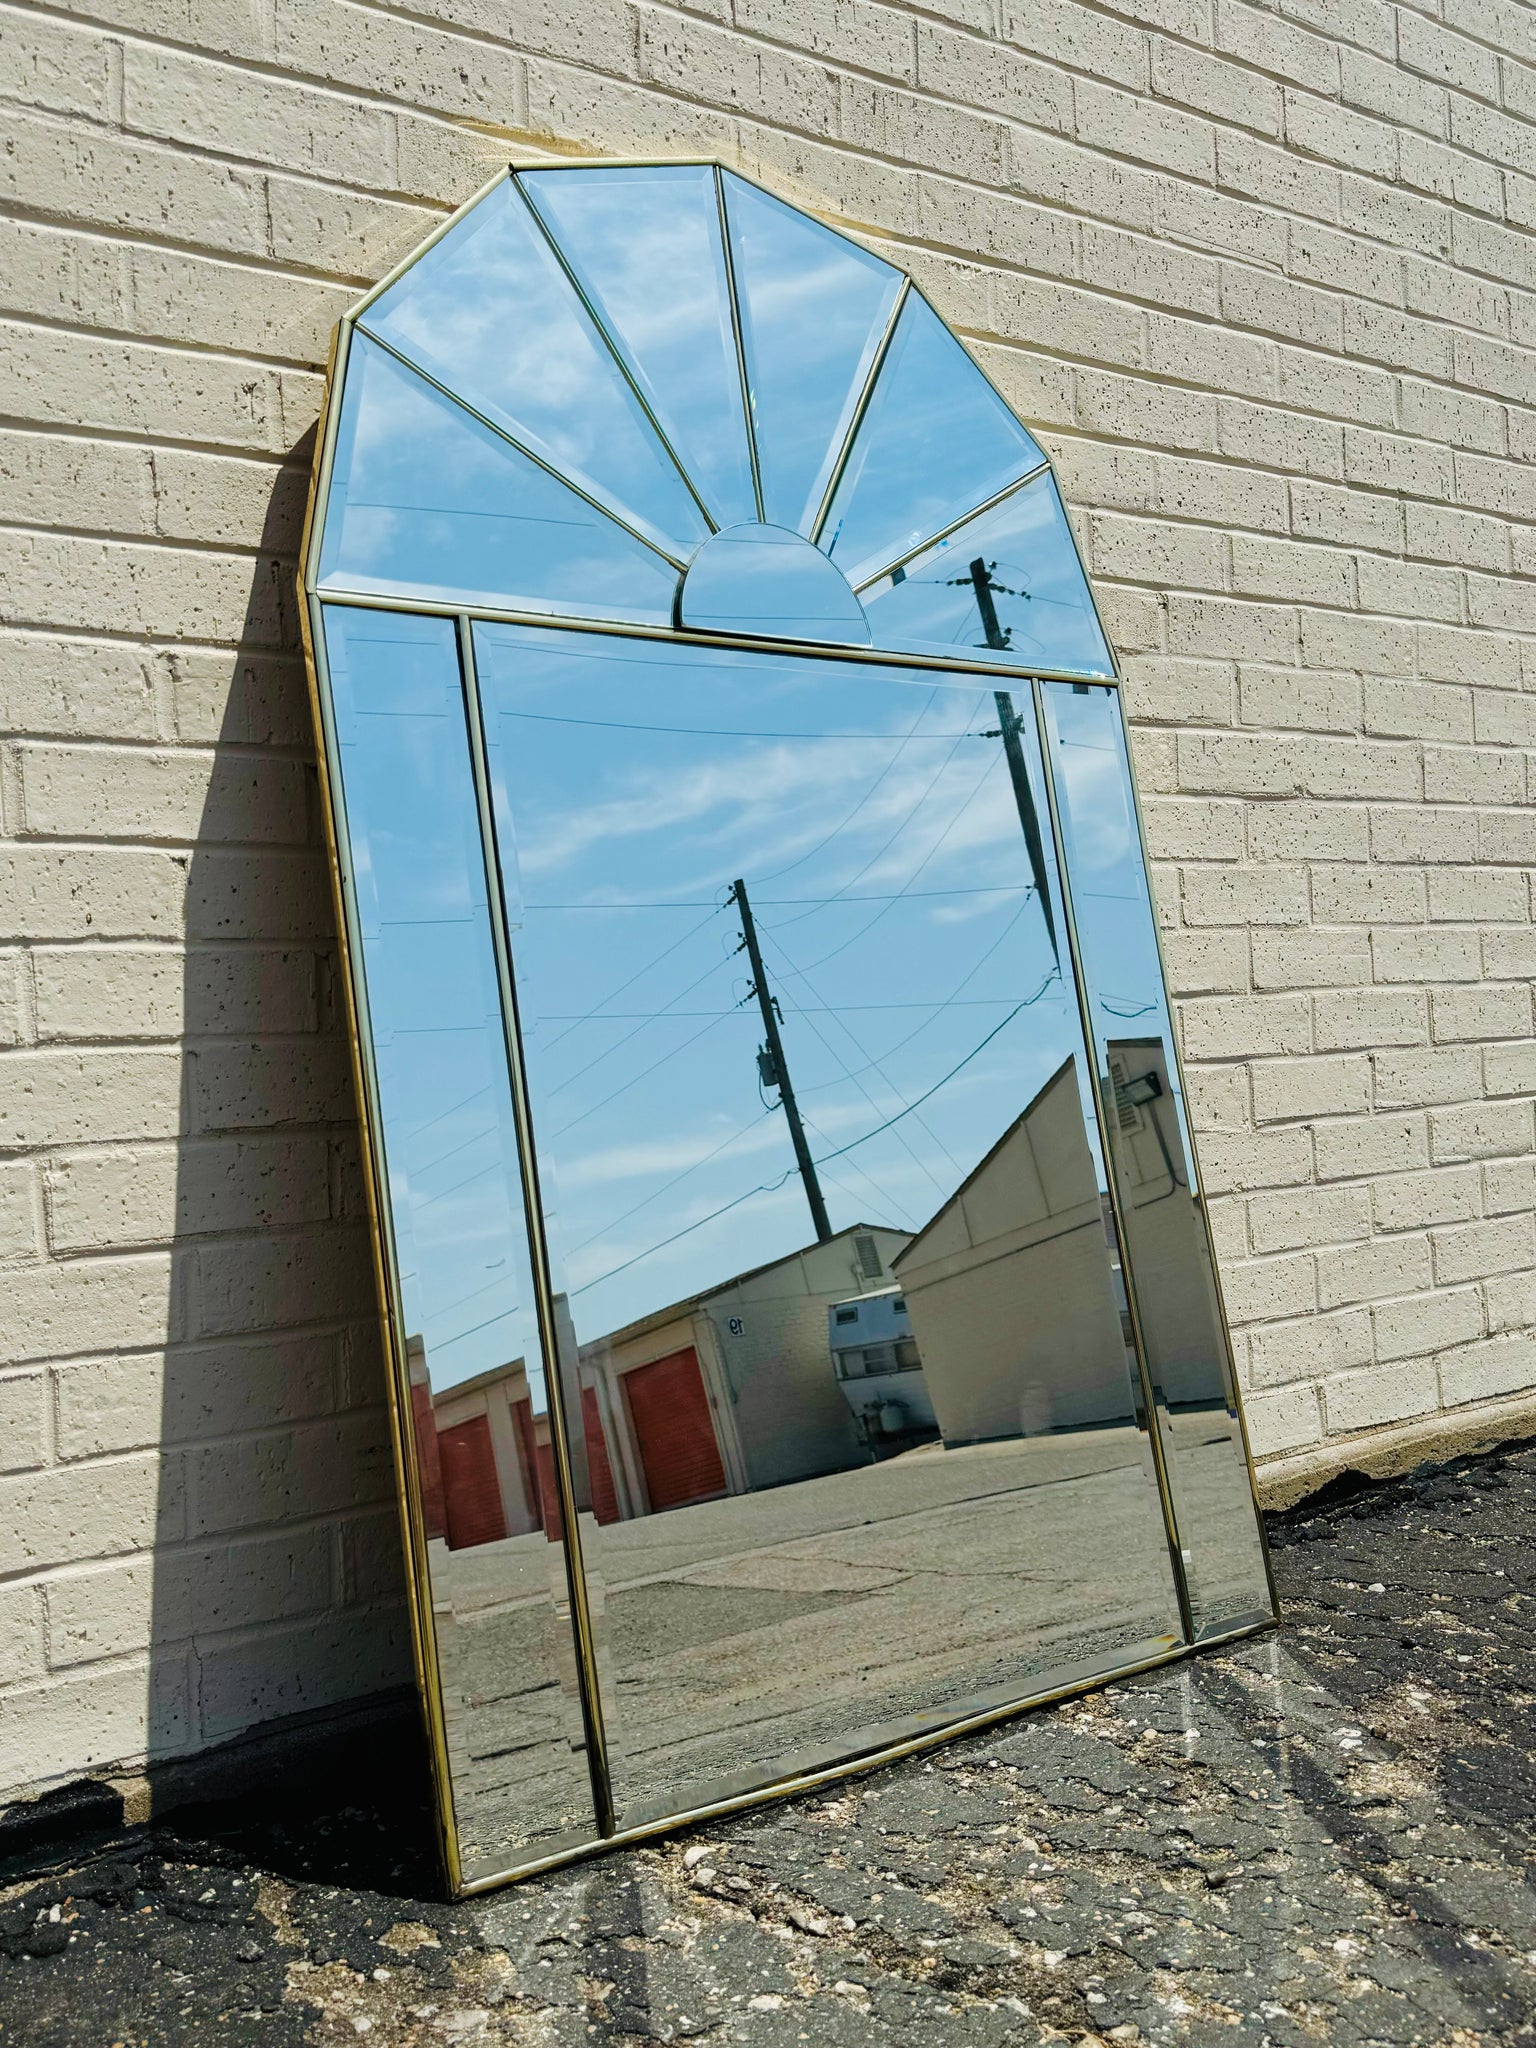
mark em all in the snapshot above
pixel 773 1068
pixel 999 638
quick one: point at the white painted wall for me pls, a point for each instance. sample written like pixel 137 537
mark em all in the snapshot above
pixel 1260 271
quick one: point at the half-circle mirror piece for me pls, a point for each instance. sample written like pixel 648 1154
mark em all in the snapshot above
pixel 428 502
pixel 645 245
pixel 763 582
pixel 1007 585
pixel 490 313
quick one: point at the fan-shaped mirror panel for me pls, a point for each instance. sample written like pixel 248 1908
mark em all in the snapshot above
pixel 647 249
pixel 935 443
pixel 765 583
pixel 428 502
pixel 490 312
pixel 814 311
pixel 1007 586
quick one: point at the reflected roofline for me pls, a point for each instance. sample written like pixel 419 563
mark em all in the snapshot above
pixel 987 1158
pixel 658 1317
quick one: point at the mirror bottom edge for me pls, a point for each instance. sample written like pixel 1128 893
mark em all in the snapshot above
pixel 889 1744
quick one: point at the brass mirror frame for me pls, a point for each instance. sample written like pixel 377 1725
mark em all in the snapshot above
pixel 462 1882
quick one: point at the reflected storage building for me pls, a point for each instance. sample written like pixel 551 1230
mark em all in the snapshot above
pixel 739 547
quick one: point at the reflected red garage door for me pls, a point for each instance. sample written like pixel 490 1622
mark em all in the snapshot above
pixel 674 1430
pixel 471 1489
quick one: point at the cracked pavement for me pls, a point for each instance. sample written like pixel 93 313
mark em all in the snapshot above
pixel 1323 1835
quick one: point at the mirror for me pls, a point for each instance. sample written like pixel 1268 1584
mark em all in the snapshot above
pixel 804 1335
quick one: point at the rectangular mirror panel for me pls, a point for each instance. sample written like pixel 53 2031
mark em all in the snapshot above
pixel 447 1129
pixel 1160 1200
pixel 830 1234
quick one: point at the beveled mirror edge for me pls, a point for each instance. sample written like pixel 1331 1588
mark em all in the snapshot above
pixel 418 1586
pixel 412 1524
pixel 861 1763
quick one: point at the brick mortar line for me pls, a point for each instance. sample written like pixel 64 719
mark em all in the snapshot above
pixel 661 92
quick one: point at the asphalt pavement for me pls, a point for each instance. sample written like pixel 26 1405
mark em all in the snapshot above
pixel 1323 1836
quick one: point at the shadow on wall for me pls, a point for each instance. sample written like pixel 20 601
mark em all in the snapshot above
pixel 277 1576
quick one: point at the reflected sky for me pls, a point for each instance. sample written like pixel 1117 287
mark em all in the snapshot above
pixel 936 441
pixel 1109 883
pixel 427 502
pixel 1042 609
pixel 647 248
pixel 491 313
pixel 434 1009
pixel 814 308
pixel 873 819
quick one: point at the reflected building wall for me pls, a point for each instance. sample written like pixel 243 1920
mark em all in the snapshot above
pixel 1008 1285
pixel 1162 1222
pixel 488 1457
pixel 761 1364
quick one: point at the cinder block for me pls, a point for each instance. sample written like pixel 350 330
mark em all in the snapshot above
pixel 1380 1394
pixel 1494 1130
pixel 1311 1347
pixel 198 1393
pixel 125 1711
pixel 1416 710
pixel 372 1568
pixel 327 1467
pixel 1266 1290
pixel 1329 1084
pixel 125 793
pixel 1349 1148
pixel 1236 1027
pixel 1266 894
pixel 1413 1079
pixel 1283 1419
pixel 1242 1161
pixel 1477 896
pixel 1509 1184
pixel 1483 1372
pixel 62 1308
pixel 25 1435
pixel 1509 955
pixel 1472 1251
pixel 61 1098
pixel 1297 1218
pixel 1432 955
pixel 1413 1201
pixel 1373 1270
pixel 1510 1069
pixel 113 1197
pixel 313 1665
pixel 1346 894
pixel 1306 700
pixel 1427 1322
pixel 75 1512
pixel 21 1212
pixel 1349 1019
pixel 90 993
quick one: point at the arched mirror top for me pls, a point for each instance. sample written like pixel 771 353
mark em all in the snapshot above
pixel 659 396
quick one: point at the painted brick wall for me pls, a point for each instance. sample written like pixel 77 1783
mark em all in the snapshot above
pixel 1261 271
